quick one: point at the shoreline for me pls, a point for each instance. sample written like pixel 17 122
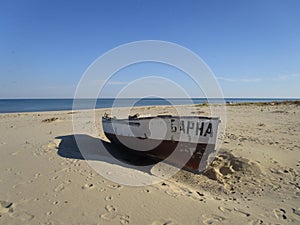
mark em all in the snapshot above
pixel 227 104
pixel 52 105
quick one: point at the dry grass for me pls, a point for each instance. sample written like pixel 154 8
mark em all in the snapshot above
pixel 283 102
pixel 289 102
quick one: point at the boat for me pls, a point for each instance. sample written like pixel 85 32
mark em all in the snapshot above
pixel 187 142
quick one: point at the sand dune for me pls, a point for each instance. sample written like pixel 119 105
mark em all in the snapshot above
pixel 45 179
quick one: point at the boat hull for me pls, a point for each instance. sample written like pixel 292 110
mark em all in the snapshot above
pixel 185 142
pixel 173 152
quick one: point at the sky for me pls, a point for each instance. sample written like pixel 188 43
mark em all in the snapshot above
pixel 252 47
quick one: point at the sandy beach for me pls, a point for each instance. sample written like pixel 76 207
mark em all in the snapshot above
pixel 255 178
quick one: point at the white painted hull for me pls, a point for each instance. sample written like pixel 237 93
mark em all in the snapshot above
pixel 183 141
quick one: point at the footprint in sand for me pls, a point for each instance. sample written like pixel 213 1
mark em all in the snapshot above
pixel 145 191
pixel 14 153
pixel 5 206
pixel 224 209
pixel 24 216
pixel 54 144
pixel 280 214
pixel 228 210
pixel 172 193
pixel 8 169
pixel 108 198
pixel 54 178
pixel 88 186
pixel 241 212
pixel 110 209
pixel 115 186
pixel 124 219
pixel 111 212
pixel 62 186
pixel 49 213
pixel 59 188
pixel 101 189
pixel 108 216
pixel 55 202
pixel 164 222
pixel 213 219
pixel 256 222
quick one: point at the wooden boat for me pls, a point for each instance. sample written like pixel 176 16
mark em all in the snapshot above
pixel 186 142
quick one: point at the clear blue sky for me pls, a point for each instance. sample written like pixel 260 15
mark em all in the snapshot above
pixel 253 47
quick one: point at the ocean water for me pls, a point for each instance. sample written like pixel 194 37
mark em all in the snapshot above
pixel 39 105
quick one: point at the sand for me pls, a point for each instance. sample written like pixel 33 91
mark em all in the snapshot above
pixel 253 180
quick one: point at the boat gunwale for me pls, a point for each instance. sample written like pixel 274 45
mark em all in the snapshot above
pixel 108 119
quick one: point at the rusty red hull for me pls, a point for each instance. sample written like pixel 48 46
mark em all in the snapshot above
pixel 189 156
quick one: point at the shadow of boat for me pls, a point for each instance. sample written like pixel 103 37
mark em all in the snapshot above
pixel 85 147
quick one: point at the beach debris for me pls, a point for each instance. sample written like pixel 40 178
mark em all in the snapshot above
pixel 135 116
pixel 49 120
pixel 261 125
pixel 5 206
pixel 296 211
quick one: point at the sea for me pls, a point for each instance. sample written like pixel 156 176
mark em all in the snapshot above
pixel 40 105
